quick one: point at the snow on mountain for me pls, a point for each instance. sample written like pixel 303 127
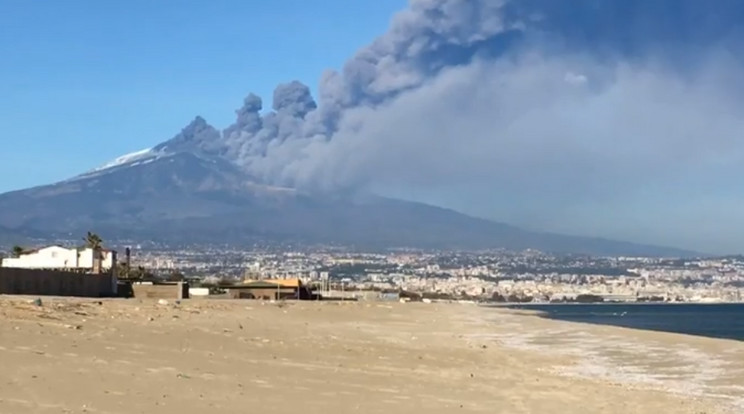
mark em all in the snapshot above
pixel 126 158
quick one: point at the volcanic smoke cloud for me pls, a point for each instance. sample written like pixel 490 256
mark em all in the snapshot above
pixel 565 115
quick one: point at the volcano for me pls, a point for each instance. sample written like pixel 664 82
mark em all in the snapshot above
pixel 188 190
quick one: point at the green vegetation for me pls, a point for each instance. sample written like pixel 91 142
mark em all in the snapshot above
pixel 175 276
pixel 138 273
pixel 17 251
pixel 94 241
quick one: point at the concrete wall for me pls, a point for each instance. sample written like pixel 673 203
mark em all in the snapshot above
pixel 177 290
pixel 86 259
pixel 198 292
pixel 55 283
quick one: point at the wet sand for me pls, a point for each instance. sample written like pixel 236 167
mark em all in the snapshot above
pixel 138 356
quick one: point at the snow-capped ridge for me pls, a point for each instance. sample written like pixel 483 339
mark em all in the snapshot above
pixel 197 137
pixel 126 158
pixel 131 159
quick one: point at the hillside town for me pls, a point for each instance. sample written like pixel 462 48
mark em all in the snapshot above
pixel 498 275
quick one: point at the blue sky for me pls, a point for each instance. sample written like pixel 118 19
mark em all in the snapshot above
pixel 608 118
pixel 82 82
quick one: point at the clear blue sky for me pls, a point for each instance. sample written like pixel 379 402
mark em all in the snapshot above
pixel 82 82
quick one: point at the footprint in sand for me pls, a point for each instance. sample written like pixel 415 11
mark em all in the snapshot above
pixel 263 384
pixel 161 370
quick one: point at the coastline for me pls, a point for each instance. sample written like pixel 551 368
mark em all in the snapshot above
pixel 369 357
pixel 722 319
pixel 682 364
pixel 512 304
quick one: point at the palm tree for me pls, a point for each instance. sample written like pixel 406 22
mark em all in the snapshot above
pixel 94 242
pixel 17 251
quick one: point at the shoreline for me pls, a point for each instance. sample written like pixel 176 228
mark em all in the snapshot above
pixel 368 357
pixel 545 316
pixel 636 357
pixel 543 312
pixel 510 304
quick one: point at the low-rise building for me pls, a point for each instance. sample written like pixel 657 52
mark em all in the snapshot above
pixel 62 258
pixel 272 289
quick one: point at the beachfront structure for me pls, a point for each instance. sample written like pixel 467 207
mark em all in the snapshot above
pixel 271 289
pixel 62 258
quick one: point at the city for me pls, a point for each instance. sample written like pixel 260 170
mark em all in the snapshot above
pixel 494 275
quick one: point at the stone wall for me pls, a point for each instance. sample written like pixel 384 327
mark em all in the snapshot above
pixel 176 290
pixel 16 281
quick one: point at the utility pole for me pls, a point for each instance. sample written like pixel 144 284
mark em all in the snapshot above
pixel 128 261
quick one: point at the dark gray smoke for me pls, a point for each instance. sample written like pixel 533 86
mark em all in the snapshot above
pixel 565 115
pixel 293 99
pixel 196 135
pixel 422 40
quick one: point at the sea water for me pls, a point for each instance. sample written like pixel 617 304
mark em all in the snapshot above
pixel 711 320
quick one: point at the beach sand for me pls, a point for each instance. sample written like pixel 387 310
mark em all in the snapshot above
pixel 229 356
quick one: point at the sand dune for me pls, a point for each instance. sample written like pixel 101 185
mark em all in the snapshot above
pixel 134 356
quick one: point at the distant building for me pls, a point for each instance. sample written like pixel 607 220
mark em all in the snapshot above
pixel 273 289
pixel 62 258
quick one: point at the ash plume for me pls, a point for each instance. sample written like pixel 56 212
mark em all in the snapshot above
pixel 536 111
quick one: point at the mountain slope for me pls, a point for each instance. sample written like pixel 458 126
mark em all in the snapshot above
pixel 187 190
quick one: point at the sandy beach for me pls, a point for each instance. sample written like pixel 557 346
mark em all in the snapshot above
pixel 229 356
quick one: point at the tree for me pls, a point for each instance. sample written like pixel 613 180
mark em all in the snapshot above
pixel 175 276
pixel 17 251
pixel 123 271
pixel 94 242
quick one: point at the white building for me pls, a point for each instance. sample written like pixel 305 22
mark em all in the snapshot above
pixel 58 257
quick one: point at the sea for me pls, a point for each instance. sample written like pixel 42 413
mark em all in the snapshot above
pixel 711 320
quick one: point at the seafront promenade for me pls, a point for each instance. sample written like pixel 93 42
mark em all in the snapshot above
pixel 123 356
